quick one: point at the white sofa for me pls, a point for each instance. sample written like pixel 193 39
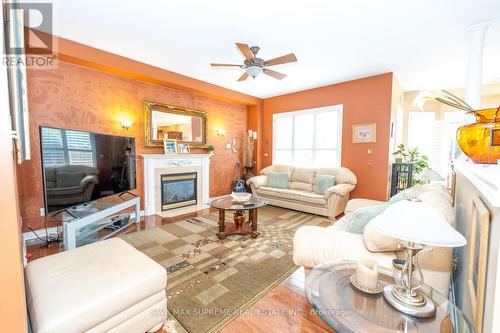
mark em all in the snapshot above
pixel 107 286
pixel 317 245
pixel 300 194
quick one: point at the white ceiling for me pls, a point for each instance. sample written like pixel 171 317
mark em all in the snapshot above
pixel 422 41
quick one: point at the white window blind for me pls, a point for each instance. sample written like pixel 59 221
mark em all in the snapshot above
pixel 62 147
pixel 308 138
pixel 435 138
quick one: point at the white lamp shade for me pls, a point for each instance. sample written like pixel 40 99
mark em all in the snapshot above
pixel 254 71
pixel 417 222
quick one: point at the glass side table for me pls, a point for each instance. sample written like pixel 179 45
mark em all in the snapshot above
pixel 346 309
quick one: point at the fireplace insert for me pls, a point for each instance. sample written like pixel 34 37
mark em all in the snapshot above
pixel 178 190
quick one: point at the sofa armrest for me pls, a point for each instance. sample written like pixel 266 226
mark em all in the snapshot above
pixel 89 179
pixel 257 181
pixel 339 189
pixel 314 245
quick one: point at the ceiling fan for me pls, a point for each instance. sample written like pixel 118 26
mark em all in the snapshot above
pixel 254 66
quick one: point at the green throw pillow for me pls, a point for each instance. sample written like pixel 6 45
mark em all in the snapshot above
pixel 323 183
pixel 362 216
pixel 277 179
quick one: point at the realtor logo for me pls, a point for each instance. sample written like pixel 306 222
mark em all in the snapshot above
pixel 29 35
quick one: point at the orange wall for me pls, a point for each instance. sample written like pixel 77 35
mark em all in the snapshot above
pixel 366 100
pixel 80 98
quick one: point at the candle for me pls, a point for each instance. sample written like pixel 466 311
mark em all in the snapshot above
pixel 367 274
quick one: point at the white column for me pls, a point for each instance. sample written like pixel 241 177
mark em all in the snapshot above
pixel 473 82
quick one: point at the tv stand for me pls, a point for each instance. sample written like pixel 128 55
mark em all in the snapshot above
pixel 127 192
pixel 89 221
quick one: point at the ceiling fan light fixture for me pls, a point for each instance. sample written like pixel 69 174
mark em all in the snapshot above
pixel 253 71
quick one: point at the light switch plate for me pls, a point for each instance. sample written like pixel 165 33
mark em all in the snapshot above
pixel 228 146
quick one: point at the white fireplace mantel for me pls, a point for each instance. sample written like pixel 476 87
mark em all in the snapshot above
pixel 175 162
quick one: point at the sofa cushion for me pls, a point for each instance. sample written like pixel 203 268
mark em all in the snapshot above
pixel 342 175
pixel 312 198
pixel 360 218
pixel 302 179
pixel 323 182
pixel 277 168
pixel 64 191
pixel 68 179
pixel 278 193
pixel 277 180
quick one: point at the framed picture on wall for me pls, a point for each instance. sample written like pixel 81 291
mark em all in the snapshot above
pixel 170 146
pixel 364 133
pixel 478 256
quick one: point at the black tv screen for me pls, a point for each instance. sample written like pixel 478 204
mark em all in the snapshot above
pixel 80 166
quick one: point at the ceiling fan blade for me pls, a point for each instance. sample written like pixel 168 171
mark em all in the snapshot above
pixel 245 49
pixel 225 65
pixel 243 77
pixel 276 75
pixel 281 60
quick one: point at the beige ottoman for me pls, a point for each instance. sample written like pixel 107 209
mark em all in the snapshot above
pixel 102 287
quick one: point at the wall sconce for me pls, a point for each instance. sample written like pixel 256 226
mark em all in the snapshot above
pixel 126 124
pixel 221 132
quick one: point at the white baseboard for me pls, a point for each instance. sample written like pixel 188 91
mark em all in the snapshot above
pixel 29 235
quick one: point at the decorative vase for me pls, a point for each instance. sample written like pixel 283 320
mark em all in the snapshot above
pixel 481 141
pixel 248 173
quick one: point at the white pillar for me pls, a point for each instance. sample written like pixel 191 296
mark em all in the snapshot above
pixel 473 82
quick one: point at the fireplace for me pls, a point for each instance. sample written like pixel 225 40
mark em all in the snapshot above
pixel 178 190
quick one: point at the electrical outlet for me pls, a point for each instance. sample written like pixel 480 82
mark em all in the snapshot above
pixel 228 146
pixel 42 211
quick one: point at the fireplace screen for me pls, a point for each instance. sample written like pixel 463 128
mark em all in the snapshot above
pixel 178 190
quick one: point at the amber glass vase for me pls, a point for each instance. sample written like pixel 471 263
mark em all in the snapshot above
pixel 481 141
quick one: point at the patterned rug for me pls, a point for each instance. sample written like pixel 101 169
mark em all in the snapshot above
pixel 211 281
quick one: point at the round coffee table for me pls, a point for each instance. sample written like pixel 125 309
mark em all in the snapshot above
pixel 240 226
pixel 346 309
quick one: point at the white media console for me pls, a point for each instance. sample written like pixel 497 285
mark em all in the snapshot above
pixel 96 220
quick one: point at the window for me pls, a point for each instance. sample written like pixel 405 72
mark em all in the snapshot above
pixel 435 138
pixel 62 147
pixel 308 138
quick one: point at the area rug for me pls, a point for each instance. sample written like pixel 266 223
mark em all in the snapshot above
pixel 211 281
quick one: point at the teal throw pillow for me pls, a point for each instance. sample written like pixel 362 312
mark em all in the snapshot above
pixel 277 179
pixel 323 183
pixel 362 216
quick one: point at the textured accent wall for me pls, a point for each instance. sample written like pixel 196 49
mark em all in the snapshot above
pixel 79 98
pixel 366 100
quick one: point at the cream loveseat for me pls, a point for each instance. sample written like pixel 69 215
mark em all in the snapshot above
pixel 300 194
pixel 317 245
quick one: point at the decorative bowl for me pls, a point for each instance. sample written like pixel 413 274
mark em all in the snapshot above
pixel 480 141
pixel 241 197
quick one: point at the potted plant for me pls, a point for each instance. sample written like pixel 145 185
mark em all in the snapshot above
pixel 400 154
pixel 211 149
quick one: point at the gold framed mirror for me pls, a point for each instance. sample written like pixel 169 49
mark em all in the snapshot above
pixel 162 121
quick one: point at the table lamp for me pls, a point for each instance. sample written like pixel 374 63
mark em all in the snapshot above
pixel 416 225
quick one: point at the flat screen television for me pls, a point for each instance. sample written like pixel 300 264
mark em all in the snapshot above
pixel 80 166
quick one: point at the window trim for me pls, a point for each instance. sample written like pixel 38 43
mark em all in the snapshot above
pixel 338 108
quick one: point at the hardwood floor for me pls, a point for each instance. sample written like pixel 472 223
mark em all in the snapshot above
pixel 284 309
